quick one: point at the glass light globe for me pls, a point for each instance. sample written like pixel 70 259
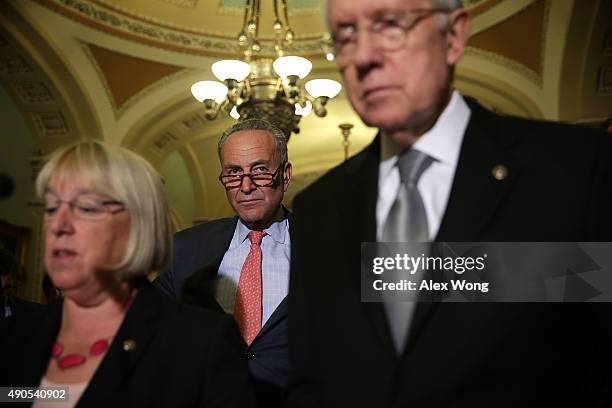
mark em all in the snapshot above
pixel 231 69
pixel 203 90
pixel 307 109
pixel 292 65
pixel 234 113
pixel 303 111
pixel 323 87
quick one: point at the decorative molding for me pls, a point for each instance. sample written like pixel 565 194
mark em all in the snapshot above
pixel 182 3
pixel 37 161
pixel 50 124
pixel 506 63
pixel 33 92
pixel 166 37
pixel 192 123
pixel 607 47
pixel 296 7
pixel 14 65
pixel 604 81
pixel 162 142
pixel 138 96
pixel 471 3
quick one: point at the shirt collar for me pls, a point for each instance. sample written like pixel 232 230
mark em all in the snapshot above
pixel 278 230
pixel 442 142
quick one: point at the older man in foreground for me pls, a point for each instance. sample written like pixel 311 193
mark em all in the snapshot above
pixel 442 168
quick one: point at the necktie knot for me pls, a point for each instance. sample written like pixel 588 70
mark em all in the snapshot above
pixel 256 236
pixel 411 166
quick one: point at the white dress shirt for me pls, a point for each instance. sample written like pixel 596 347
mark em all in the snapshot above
pixel 276 252
pixel 443 143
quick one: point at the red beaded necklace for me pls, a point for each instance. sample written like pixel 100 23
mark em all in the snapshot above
pixel 72 360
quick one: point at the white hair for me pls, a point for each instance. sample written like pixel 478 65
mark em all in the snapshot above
pixel 448 5
pixel 125 176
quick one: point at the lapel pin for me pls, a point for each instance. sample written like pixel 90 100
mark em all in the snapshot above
pixel 129 345
pixel 499 172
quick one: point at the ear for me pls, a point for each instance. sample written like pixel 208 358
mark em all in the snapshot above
pixel 287 176
pixel 457 35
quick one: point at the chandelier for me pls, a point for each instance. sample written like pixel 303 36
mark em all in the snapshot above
pixel 259 86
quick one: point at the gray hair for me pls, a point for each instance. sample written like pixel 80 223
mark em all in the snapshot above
pixel 258 124
pixel 448 5
pixel 443 21
pixel 125 176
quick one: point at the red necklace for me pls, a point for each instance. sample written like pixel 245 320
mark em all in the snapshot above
pixel 98 347
pixel 73 360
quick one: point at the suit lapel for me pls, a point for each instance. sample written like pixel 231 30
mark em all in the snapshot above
pixel 475 194
pixel 40 344
pixel 128 347
pixel 358 224
pixel 278 315
pixel 198 289
pixel 216 248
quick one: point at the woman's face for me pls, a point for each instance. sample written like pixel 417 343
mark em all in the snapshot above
pixel 86 235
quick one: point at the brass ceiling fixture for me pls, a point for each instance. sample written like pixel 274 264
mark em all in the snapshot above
pixel 258 86
pixel 345 128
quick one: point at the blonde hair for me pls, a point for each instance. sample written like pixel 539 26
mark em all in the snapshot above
pixel 122 175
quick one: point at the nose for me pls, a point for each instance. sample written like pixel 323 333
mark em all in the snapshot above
pixel 62 222
pixel 247 185
pixel 365 55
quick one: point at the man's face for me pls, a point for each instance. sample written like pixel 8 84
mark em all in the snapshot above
pixel 254 151
pixel 403 88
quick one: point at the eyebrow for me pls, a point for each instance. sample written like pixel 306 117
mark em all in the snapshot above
pixel 250 165
pixel 81 191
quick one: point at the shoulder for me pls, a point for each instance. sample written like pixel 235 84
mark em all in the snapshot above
pixel 24 306
pixel 23 324
pixel 176 314
pixel 196 328
pixel 536 131
pixel 202 322
pixel 213 227
pixel 334 181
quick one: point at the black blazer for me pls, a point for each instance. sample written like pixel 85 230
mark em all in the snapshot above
pixel 184 357
pixel 198 252
pixel 19 307
pixel 559 188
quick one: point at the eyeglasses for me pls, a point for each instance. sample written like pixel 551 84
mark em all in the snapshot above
pixel 83 208
pixel 388 31
pixel 263 179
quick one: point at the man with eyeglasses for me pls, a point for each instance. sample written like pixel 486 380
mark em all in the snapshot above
pixel 445 169
pixel 240 265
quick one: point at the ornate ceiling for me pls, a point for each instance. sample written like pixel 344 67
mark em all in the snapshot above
pixel 120 70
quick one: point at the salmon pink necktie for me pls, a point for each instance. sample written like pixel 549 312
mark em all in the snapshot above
pixel 247 310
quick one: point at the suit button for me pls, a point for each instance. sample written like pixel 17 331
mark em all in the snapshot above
pixel 249 354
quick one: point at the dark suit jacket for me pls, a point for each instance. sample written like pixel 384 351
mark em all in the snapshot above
pixel 198 252
pixel 184 357
pixel 19 307
pixel 559 188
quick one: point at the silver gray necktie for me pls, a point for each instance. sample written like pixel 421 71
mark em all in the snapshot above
pixel 406 222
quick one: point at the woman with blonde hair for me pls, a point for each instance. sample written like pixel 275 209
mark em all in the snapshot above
pixel 114 340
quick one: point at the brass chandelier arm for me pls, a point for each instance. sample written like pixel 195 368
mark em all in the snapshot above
pixel 268 88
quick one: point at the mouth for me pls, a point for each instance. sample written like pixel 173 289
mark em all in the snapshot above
pixel 62 255
pixel 249 203
pixel 376 91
